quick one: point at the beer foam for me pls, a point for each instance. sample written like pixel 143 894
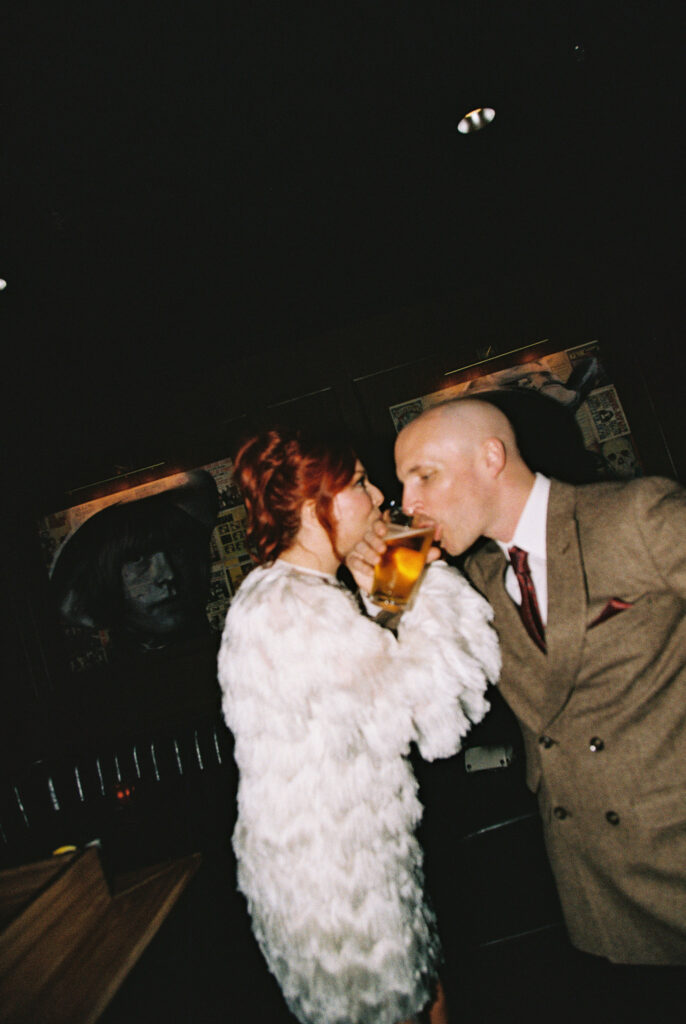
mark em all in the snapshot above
pixel 395 530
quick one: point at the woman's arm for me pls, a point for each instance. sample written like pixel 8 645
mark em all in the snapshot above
pixel 300 649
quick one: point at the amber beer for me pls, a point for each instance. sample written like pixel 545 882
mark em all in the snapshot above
pixel 401 565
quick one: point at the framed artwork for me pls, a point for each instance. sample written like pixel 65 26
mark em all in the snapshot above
pixel 148 568
pixel 575 378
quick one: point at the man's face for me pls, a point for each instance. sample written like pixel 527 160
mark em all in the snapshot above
pixel 443 478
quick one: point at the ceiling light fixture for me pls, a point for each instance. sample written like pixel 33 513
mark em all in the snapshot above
pixel 476 119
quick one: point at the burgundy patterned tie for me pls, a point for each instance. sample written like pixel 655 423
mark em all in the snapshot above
pixel 528 609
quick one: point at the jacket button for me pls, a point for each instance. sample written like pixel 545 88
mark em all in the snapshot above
pixel 560 813
pixel 596 744
pixel 546 742
pixel 612 817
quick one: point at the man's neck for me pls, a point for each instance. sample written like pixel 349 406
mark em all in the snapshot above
pixel 512 506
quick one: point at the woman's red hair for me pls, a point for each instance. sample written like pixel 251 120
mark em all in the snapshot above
pixel 277 472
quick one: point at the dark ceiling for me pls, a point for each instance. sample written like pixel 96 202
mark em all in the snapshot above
pixel 185 178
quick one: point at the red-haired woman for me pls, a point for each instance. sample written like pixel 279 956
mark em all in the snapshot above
pixel 324 704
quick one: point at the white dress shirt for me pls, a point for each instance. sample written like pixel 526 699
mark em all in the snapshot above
pixel 530 536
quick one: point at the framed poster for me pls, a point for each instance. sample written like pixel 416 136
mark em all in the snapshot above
pixel 146 569
pixel 575 378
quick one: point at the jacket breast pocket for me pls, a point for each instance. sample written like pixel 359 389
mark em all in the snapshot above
pixel 615 606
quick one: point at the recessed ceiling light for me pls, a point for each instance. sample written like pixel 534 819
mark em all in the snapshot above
pixel 476 119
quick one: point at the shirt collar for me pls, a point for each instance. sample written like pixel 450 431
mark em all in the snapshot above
pixel 530 532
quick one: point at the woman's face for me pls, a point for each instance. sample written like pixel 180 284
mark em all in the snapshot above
pixel 355 509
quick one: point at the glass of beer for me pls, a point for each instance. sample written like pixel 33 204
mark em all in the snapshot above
pixel 397 574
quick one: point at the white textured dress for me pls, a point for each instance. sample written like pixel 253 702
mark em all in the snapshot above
pixel 323 704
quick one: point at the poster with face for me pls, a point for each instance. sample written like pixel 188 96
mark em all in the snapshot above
pixel 146 569
pixel 575 379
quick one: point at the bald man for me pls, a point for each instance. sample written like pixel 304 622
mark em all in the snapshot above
pixel 590 614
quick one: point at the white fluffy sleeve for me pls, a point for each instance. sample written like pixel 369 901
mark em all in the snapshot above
pixel 299 660
pixel 450 626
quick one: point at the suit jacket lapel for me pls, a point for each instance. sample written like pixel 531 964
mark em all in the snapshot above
pixel 567 599
pixel 538 685
pixel 524 679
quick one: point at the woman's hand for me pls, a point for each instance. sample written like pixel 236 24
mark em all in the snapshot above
pixel 366 554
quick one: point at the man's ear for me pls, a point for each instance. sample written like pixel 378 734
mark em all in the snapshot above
pixel 493 456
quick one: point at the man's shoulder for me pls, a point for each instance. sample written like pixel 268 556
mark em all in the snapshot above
pixel 644 490
pixel 618 510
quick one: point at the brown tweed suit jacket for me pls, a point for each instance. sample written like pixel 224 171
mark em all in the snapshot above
pixel 603 712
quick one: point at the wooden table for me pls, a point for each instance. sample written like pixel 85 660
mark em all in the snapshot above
pixel 68 938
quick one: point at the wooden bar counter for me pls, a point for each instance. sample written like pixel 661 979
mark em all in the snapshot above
pixel 68 938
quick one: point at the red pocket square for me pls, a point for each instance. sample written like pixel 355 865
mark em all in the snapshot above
pixel 613 607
